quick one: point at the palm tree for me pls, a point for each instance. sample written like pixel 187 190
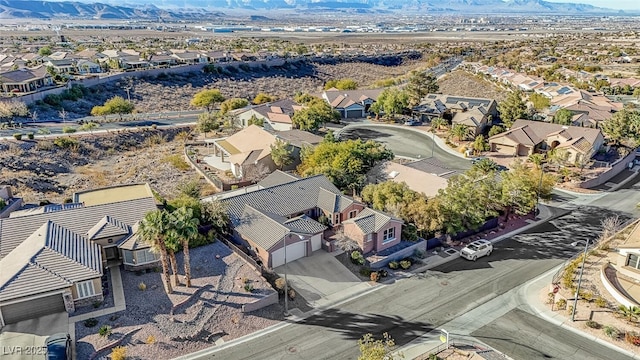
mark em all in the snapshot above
pixel 459 131
pixel 438 123
pixel 630 313
pixel 172 245
pixel 537 160
pixel 184 228
pixel 152 230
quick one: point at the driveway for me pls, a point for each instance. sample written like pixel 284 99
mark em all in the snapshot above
pixel 318 276
pixel 25 340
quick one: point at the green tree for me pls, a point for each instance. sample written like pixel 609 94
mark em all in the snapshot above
pixel 184 229
pixel 255 121
pixel 372 349
pixel 512 108
pixel 480 144
pixel 232 104
pixel 600 84
pixel 495 130
pixel 207 122
pixel 391 101
pixel 281 153
pixel 539 101
pixel 45 51
pixel 537 160
pixel 153 231
pixel 389 196
pixel 485 166
pixel 563 117
pixel 636 92
pixel 439 123
pixel 207 98
pixel 623 128
pixel 344 162
pixel 116 105
pixel 629 313
pixel 315 113
pixel 521 186
pixel 341 84
pixel 215 214
pixel 262 98
pixel 419 84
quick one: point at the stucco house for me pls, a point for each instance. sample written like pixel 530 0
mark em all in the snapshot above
pixel 528 137
pixel 249 150
pixel 52 260
pixel 286 208
pixel 25 80
pixel 474 113
pixel 276 115
pixel 351 103
pixel 628 260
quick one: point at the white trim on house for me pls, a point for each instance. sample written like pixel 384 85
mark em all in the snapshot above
pixel 33 297
pixel 134 257
pixel 85 289
pixel 388 235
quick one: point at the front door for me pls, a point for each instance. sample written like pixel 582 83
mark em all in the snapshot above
pixel 112 253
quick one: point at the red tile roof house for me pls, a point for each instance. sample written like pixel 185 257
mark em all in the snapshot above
pixel 53 260
pixel 283 206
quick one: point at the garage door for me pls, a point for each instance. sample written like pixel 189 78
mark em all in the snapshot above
pixel 505 149
pixel 32 308
pixel 316 242
pixel 295 251
pixel 351 114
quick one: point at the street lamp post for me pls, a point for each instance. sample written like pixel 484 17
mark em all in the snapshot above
pixel 286 282
pixel 584 257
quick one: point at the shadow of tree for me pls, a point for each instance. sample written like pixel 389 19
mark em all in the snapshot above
pixel 353 326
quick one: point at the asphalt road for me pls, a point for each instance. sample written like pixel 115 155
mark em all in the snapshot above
pixel 412 307
pixel 405 142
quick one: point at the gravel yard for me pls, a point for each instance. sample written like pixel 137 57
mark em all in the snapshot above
pixel 462 83
pixel 38 170
pixel 197 322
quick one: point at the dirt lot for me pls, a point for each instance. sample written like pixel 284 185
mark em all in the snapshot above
pixel 462 83
pixel 39 170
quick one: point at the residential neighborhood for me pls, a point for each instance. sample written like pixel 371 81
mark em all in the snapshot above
pixel 243 197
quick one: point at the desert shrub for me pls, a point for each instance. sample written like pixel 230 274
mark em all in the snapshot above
pixel 365 271
pixel 357 258
pixel 393 265
pixel 44 145
pixel 244 67
pixel 150 339
pixel 601 302
pixel 68 130
pixel 97 304
pixel 405 264
pixel 292 294
pixel 419 254
pixel 587 295
pixel 374 276
pixel 30 136
pixel 91 322
pixel 561 304
pixel 279 284
pixel 210 69
pixel 248 287
pixel 17 136
pixel 593 324
pixel 177 161
pixel 632 337
pixel 142 286
pixel 119 353
pixel 65 142
pixel 156 139
pixel 54 100
pixel 611 332
pixel 105 330
pixel 569 309
pixel 551 298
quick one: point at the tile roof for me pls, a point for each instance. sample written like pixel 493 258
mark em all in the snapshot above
pixel 370 221
pixel 288 198
pixel 344 98
pixel 265 230
pixel 44 209
pixel 108 226
pixel 53 255
pixel 305 224
pixel 417 180
pixel 543 129
pixel 298 137
pixel 277 178
pixel 14 231
pixel 133 242
pixel 20 76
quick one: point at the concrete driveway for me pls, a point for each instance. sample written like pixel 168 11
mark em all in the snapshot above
pixel 25 340
pixel 319 276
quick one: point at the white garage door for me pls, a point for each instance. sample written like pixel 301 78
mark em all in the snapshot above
pixel 316 242
pixel 295 251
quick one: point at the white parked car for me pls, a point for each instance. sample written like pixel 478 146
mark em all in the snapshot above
pixel 476 249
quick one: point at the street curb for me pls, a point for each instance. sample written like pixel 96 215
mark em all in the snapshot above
pixel 629 179
pixel 540 310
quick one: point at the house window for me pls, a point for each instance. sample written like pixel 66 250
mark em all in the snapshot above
pixel 369 237
pixel 388 235
pixel 145 256
pixel 633 261
pixel 353 214
pixel 128 257
pixel 336 219
pixel 85 289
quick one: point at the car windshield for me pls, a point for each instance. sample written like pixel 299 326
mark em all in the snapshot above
pixel 472 247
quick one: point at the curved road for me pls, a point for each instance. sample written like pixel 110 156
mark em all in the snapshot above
pixel 406 142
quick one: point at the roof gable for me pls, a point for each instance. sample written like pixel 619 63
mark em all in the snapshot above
pixel 107 227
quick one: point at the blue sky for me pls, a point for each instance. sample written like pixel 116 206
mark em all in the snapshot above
pixel 611 4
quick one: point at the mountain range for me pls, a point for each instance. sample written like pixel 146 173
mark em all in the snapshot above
pixel 190 9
